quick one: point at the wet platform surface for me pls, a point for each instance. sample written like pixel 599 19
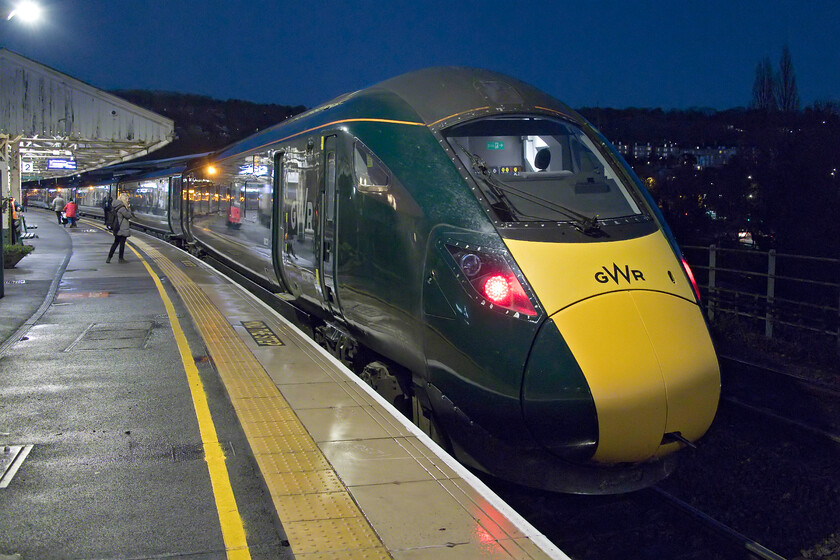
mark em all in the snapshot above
pixel 172 414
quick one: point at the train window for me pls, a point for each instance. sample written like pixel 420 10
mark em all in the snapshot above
pixel 371 174
pixel 330 194
pixel 215 207
pixel 541 169
pixel 253 194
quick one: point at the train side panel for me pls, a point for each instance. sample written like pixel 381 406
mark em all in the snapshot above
pixel 228 209
pixel 90 198
pixel 149 200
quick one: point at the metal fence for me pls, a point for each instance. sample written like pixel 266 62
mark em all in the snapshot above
pixel 777 292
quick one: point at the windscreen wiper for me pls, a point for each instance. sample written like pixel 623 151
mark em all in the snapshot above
pixel 480 167
pixel 584 224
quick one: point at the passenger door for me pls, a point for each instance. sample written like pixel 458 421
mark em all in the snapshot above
pixel 329 218
pixel 299 196
pixel 187 196
pixel 175 218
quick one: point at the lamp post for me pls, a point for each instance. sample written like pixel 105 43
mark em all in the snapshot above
pixel 28 12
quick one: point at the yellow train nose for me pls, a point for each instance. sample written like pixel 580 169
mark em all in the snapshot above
pixel 651 369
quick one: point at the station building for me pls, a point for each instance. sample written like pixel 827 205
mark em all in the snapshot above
pixel 53 125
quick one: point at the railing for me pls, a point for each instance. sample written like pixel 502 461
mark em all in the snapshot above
pixel 778 292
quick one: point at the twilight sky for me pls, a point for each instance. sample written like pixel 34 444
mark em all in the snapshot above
pixel 605 53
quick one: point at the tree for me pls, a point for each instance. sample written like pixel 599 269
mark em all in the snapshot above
pixel 787 94
pixel 764 87
pixel 827 107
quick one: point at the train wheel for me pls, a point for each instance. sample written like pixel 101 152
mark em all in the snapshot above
pixel 378 376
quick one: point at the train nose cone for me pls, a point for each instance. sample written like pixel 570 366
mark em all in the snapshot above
pixel 650 367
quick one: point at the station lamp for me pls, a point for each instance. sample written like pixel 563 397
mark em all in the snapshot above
pixel 28 11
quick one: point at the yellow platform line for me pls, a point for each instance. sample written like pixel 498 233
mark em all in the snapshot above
pixel 233 530
pixel 320 518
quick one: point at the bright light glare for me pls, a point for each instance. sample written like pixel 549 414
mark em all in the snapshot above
pixel 497 289
pixel 29 12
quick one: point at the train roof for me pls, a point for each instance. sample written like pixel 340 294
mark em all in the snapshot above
pixel 161 167
pixel 435 97
pixel 147 169
pixel 441 94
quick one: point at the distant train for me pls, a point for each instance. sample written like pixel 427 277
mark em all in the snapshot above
pixel 477 253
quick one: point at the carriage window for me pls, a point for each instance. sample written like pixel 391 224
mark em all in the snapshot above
pixel 252 200
pixel 371 174
pixel 330 187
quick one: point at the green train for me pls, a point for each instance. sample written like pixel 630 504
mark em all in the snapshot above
pixel 484 258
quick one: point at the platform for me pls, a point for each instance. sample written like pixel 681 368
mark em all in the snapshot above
pixel 164 411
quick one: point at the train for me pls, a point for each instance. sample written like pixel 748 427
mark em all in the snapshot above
pixel 478 253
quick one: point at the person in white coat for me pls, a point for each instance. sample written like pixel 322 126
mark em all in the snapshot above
pixel 58 204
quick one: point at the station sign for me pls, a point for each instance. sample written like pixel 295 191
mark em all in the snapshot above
pixel 61 164
pixel 27 166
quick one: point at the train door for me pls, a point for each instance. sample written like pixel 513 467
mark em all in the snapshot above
pixel 187 195
pixel 298 199
pixel 279 224
pixel 327 255
pixel 175 206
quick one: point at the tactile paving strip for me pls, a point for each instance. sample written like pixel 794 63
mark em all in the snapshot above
pixel 320 518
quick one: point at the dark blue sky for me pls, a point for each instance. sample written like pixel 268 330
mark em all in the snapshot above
pixel 586 53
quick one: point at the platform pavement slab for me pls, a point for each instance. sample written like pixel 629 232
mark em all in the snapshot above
pixel 116 465
pixel 28 284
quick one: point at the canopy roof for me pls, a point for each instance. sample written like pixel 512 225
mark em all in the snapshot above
pixel 63 126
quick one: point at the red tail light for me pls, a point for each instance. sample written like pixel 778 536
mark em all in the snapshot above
pixel 493 279
pixel 691 278
pixel 497 290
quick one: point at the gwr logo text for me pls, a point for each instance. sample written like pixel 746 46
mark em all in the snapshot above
pixel 618 274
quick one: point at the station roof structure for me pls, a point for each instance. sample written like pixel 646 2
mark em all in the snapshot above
pixel 64 127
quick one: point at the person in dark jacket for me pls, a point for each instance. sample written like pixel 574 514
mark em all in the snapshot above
pixel 107 208
pixel 122 226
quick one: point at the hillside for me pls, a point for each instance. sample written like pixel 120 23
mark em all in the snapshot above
pixel 204 124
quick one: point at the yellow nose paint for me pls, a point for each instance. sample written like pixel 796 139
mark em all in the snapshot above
pixel 650 366
pixel 629 316
pixel 564 273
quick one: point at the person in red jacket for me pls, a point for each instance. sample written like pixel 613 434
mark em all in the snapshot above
pixel 70 212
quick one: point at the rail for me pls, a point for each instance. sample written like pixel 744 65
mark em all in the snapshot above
pixel 773 290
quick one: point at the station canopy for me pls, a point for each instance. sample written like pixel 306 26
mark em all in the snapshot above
pixel 63 127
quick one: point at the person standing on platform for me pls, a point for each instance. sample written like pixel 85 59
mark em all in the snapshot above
pixel 107 208
pixel 70 212
pixel 121 226
pixel 15 231
pixel 58 206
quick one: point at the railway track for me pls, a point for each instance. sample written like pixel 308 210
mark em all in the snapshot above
pixel 739 542
pixel 816 384
pixel 807 404
pixel 753 489
pixel 639 525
